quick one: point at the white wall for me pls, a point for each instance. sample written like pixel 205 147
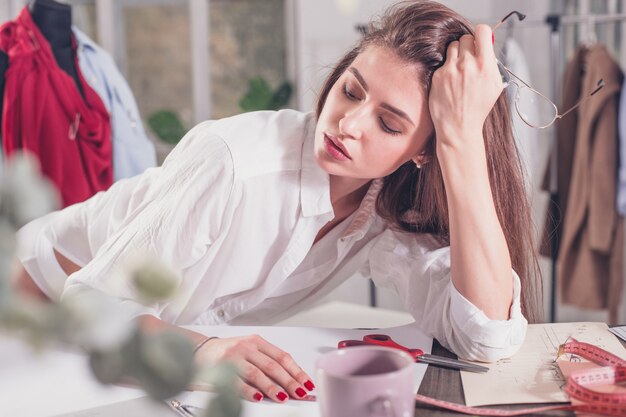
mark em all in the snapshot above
pixel 5 12
pixel 322 34
pixel 9 9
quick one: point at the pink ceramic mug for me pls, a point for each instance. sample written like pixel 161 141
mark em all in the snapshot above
pixel 366 381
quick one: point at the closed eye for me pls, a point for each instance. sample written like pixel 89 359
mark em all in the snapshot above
pixel 348 93
pixel 353 97
pixel 386 127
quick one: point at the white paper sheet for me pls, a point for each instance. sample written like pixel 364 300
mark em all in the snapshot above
pixel 619 331
pixel 57 382
pixel 306 345
pixel 531 375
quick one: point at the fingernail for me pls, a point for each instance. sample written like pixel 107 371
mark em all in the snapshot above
pixel 300 392
pixel 282 396
pixel 309 385
pixel 493 38
pixel 258 396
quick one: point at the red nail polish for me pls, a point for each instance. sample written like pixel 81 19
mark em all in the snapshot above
pixel 493 38
pixel 258 396
pixel 300 392
pixel 282 396
pixel 309 385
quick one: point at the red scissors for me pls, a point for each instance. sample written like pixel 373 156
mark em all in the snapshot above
pixel 417 354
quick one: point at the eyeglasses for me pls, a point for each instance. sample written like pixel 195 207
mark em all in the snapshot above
pixel 535 109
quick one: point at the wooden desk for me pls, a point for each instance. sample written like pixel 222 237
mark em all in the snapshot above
pixel 445 384
pixel 440 383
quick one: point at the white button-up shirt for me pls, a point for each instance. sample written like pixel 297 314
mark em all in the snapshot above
pixel 235 210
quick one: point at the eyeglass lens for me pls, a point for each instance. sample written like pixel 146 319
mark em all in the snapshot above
pixel 534 109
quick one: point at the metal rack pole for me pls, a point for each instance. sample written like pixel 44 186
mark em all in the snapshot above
pixel 554 21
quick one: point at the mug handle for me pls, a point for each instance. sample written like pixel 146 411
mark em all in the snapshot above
pixel 381 407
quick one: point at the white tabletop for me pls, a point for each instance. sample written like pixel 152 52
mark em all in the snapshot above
pixel 56 382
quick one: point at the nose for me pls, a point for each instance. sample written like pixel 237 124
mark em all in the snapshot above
pixel 351 124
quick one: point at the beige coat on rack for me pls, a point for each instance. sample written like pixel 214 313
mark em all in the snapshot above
pixel 590 264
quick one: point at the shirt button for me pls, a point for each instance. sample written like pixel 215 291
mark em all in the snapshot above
pixel 220 313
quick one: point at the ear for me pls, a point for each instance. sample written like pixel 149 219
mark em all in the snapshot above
pixel 421 159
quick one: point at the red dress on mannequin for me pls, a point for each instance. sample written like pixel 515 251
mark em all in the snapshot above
pixel 44 114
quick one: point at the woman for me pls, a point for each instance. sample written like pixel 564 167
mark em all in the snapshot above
pixel 407 173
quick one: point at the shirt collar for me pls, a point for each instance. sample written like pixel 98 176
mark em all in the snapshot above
pixel 314 181
pixel 315 188
pixel 366 212
pixel 83 40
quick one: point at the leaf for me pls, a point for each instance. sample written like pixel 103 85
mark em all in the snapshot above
pixel 108 367
pixel 154 281
pixel 164 364
pixel 93 321
pixel 222 375
pixel 167 126
pixel 222 378
pixel 281 97
pixel 257 97
pixel 25 194
pixel 225 404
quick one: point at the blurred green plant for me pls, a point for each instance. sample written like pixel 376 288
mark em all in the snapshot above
pixel 162 363
pixel 260 96
pixel 167 125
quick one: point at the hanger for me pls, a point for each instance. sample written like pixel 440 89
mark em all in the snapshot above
pixel 591 37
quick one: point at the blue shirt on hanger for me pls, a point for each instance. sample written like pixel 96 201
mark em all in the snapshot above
pixel 133 152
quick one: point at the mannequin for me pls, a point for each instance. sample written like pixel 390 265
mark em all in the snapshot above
pixel 54 20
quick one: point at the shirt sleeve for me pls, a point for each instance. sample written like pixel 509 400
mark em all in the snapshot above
pixel 36 255
pixel 172 213
pixel 75 232
pixel 418 270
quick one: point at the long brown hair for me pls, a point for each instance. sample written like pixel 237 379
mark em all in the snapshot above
pixel 414 199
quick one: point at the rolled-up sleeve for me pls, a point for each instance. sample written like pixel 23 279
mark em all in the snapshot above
pixel 35 252
pixel 171 213
pixel 417 268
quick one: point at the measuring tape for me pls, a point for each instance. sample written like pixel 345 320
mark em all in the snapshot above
pixel 613 371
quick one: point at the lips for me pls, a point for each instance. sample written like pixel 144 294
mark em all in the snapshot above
pixel 336 148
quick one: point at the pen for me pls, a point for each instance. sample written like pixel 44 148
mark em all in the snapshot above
pixel 179 408
pixel 188 409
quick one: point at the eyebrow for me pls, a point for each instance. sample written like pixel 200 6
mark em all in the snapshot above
pixel 389 107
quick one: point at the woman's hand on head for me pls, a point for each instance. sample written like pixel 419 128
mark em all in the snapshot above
pixel 264 369
pixel 465 88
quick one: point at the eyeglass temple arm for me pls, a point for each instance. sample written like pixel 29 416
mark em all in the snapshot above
pixel 520 80
pixel 599 86
pixel 519 15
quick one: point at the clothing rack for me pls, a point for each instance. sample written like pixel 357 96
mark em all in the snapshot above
pixel 556 22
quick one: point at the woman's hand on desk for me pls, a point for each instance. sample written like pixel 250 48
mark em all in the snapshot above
pixel 264 368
